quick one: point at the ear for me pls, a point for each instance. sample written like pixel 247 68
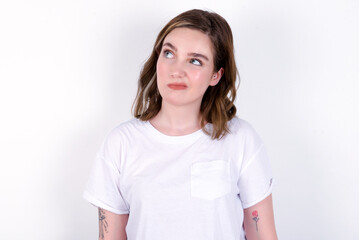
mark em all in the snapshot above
pixel 216 77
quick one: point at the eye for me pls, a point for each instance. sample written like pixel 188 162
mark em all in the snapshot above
pixel 196 62
pixel 167 54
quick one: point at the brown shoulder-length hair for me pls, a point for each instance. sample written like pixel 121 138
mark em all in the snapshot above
pixel 217 106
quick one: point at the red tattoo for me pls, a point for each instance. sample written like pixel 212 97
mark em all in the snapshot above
pixel 255 218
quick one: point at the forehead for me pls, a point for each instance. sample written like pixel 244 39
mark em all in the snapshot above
pixel 190 40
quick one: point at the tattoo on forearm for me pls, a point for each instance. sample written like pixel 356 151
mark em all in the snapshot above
pixel 255 218
pixel 103 223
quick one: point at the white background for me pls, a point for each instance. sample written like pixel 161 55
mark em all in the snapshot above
pixel 69 70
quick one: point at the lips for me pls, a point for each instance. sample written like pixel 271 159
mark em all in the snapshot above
pixel 177 86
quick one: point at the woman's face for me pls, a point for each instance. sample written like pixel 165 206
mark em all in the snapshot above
pixel 185 67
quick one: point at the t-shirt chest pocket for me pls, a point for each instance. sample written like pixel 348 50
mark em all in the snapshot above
pixel 210 179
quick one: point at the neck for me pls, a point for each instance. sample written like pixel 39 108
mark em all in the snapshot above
pixel 177 120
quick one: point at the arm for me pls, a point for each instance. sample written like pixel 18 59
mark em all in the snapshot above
pixel 259 221
pixel 112 226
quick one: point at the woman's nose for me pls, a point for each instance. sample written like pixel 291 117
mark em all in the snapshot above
pixel 178 70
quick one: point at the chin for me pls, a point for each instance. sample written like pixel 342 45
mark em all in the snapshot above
pixel 180 102
pixel 174 102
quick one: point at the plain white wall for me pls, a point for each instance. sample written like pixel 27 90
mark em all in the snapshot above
pixel 68 75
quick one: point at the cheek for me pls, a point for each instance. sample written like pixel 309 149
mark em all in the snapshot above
pixel 161 75
pixel 201 76
pixel 160 68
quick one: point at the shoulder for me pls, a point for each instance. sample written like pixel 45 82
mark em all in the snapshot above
pixel 131 124
pixel 244 131
pixel 125 130
pixel 240 126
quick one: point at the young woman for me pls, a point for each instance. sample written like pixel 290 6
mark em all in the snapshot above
pixel 185 167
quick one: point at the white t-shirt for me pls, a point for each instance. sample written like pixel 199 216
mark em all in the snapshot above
pixel 180 187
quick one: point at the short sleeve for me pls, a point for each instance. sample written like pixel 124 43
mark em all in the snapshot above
pixel 255 179
pixel 103 186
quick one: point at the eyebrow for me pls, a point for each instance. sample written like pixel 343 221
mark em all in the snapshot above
pixel 170 46
pixel 197 55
